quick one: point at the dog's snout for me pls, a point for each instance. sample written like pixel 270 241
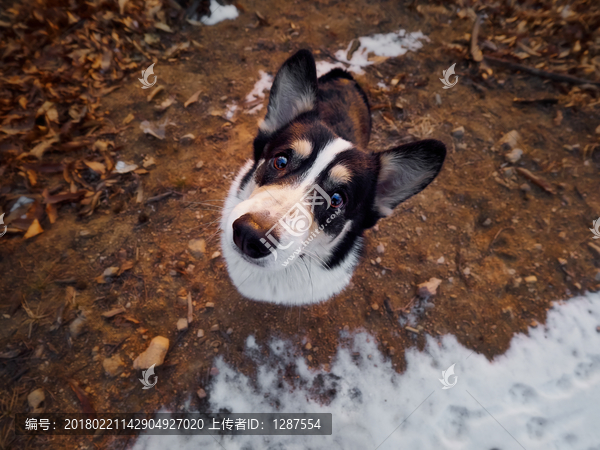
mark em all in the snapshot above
pixel 247 233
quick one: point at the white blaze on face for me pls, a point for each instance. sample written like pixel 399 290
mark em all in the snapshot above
pixel 285 206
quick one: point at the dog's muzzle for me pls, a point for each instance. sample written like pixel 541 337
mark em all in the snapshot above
pixel 247 234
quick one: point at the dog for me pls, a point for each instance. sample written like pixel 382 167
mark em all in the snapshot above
pixel 294 218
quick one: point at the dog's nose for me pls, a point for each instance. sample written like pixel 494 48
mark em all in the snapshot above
pixel 247 234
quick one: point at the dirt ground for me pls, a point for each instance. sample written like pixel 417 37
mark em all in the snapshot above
pixel 482 228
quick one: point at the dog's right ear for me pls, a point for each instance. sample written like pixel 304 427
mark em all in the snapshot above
pixel 294 92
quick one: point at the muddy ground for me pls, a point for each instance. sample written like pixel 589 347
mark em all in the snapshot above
pixel 478 228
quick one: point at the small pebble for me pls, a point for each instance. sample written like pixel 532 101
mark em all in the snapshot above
pixel 309 357
pixel 533 324
pixel 380 249
pixel 441 260
pixel 562 261
pixel 525 187
pixel 35 399
pixel 530 279
pixel 199 165
pixel 201 393
pixel 392 351
pixel 209 305
pixel 514 155
pixel 182 324
pixel 154 354
pixel 438 99
pixel 458 132
pixel 113 366
pixel 487 222
pixel 215 255
pixel 229 330
pixel 378 260
pixel 200 333
pixel 308 346
pixel 346 328
pixel 375 306
pixel 215 327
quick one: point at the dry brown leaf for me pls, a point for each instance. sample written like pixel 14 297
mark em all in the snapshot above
pixel 125 266
pixel 52 212
pixel 155 92
pixel 128 119
pixel 34 229
pixel 192 99
pixel 97 167
pixel 38 150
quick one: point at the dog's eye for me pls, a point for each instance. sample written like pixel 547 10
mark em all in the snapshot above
pixel 280 162
pixel 337 200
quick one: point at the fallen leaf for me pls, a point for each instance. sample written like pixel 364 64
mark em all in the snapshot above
pixel 165 104
pixel 155 92
pixel 123 167
pixel 97 167
pixel 34 229
pixel 156 131
pixel 39 150
pixel 192 99
pixel 163 26
pixel 128 119
pixel 148 162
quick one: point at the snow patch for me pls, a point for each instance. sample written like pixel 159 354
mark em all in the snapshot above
pixel 389 45
pixel 219 13
pixel 543 393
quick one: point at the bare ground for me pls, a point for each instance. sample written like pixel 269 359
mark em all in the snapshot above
pixel 491 233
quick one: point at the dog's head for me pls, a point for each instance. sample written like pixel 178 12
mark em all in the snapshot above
pixel 309 194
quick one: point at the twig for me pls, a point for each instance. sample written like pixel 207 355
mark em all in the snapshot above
pixel 475 50
pixel 536 180
pixel 540 73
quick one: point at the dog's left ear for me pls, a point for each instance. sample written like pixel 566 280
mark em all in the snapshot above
pixel 294 92
pixel 405 171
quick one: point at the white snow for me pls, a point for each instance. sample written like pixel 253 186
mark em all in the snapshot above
pixel 543 393
pixel 390 45
pixel 263 84
pixel 219 13
pixel 325 66
pixel 230 111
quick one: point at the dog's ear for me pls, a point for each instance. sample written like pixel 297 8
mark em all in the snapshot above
pixel 405 171
pixel 294 92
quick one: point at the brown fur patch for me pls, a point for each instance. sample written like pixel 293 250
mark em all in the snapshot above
pixel 302 147
pixel 340 174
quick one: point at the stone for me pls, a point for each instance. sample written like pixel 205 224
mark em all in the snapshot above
pixel 514 155
pixel 113 366
pixel 182 324
pixel 201 393
pixel 429 288
pixel 154 354
pixel 531 279
pixel 458 132
pixel 375 306
pixel 197 247
pixel 35 400
pixel 380 249
pixel 308 346
pixel 200 333
pixel 78 325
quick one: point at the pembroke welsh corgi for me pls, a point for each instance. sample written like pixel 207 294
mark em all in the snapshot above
pixel 294 218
